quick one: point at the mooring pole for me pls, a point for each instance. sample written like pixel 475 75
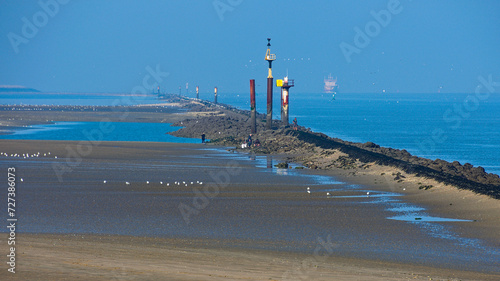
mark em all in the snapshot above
pixel 215 95
pixel 270 58
pixel 285 85
pixel 197 92
pixel 282 106
pixel 284 96
pixel 253 121
pixel 269 118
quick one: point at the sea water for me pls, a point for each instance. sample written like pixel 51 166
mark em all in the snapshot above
pixel 115 131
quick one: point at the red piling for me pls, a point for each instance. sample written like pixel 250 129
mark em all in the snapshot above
pixel 269 119
pixel 253 121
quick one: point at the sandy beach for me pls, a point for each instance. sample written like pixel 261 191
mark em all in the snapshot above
pixel 85 257
pixel 261 225
pixel 165 211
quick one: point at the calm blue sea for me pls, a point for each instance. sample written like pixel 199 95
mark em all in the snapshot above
pixel 114 131
pixel 452 127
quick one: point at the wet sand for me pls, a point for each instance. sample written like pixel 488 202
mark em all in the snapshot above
pixel 90 257
pixel 253 223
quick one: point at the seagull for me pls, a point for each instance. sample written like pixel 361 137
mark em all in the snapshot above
pixel 22 179
pixel 161 182
pixel 368 193
pixel 201 182
pixel 308 190
pixel 168 184
pixel 104 181
pixel 127 183
pixel 328 194
pixel 191 182
pixel 147 182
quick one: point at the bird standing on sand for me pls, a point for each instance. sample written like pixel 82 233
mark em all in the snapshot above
pixel 308 190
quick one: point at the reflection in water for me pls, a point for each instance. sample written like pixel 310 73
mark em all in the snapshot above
pixel 269 161
pixel 282 172
pixel 420 218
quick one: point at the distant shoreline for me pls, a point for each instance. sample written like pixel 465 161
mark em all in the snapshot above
pixel 34 91
pixel 18 90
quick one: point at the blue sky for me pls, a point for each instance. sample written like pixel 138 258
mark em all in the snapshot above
pixel 105 46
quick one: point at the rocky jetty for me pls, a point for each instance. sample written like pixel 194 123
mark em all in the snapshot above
pixel 226 125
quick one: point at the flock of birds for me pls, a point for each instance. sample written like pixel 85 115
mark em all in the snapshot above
pixel 27 155
pixel 50 107
pixel 308 190
pixel 178 183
